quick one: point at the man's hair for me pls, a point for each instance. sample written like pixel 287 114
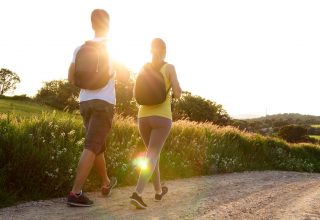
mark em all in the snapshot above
pixel 99 19
pixel 158 43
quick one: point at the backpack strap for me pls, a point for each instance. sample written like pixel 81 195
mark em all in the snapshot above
pixel 165 63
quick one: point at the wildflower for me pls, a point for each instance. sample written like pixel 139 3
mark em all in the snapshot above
pixel 57 170
pixel 63 134
pixel 80 142
pixel 72 132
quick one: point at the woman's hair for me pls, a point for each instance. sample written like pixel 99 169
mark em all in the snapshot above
pixel 99 19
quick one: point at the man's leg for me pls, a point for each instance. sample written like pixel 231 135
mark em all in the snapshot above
pixel 84 167
pixel 100 166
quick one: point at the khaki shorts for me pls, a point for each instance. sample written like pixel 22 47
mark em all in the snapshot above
pixel 97 118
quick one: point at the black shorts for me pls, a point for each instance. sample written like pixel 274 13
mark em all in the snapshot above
pixel 97 117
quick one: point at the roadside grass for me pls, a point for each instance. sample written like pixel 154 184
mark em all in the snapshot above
pixel 39 153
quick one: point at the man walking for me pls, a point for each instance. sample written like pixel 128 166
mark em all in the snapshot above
pixel 91 71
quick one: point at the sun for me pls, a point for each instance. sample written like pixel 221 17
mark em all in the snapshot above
pixel 132 54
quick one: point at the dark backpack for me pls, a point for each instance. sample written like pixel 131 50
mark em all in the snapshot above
pixel 150 87
pixel 92 66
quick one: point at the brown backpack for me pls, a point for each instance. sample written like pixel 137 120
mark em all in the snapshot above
pixel 150 87
pixel 92 66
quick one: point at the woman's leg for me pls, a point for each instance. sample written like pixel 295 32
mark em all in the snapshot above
pixel 159 133
pixel 145 131
pixel 156 178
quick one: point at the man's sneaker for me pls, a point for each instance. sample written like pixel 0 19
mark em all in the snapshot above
pixel 137 201
pixel 106 191
pixel 79 201
pixel 158 197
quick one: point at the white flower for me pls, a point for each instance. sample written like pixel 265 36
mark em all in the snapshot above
pixel 72 132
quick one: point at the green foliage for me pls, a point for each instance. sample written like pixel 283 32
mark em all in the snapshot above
pixel 39 155
pixel 8 81
pixel 196 108
pixel 126 105
pixel 293 133
pixel 59 94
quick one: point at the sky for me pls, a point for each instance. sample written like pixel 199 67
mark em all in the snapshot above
pixel 252 57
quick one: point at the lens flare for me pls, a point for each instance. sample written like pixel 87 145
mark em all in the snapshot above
pixel 140 162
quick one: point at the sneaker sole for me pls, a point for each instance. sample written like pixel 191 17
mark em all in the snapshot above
pixel 110 189
pixel 77 204
pixel 137 204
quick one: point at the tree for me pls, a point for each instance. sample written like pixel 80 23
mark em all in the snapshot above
pixel 8 80
pixel 196 108
pixel 126 105
pixel 59 94
pixel 293 133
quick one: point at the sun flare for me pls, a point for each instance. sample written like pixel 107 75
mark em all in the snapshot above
pixel 131 54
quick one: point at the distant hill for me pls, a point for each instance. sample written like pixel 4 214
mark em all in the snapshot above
pixel 246 116
pixel 271 124
pixel 289 117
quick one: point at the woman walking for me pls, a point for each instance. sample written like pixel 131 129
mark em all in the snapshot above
pixel 154 123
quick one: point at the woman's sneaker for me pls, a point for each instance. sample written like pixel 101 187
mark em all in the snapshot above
pixel 79 201
pixel 158 197
pixel 137 201
pixel 106 191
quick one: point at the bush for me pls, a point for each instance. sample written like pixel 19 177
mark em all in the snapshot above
pixel 39 155
pixel 293 133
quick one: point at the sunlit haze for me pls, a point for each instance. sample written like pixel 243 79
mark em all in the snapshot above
pixel 253 57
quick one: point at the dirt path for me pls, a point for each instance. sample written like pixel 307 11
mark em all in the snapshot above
pixel 248 195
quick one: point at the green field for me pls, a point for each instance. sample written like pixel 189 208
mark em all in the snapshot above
pixel 315 126
pixel 315 136
pixel 22 108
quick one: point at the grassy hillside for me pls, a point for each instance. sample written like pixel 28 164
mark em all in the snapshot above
pixel 39 155
pixel 22 108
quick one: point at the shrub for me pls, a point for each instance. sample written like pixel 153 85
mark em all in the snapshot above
pixel 39 155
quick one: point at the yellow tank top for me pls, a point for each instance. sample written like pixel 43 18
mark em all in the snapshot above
pixel 163 109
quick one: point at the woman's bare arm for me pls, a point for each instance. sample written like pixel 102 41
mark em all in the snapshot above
pixel 176 89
